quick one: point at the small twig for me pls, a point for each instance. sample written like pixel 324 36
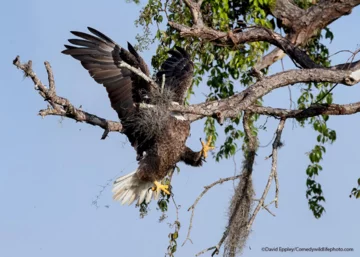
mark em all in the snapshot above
pixel 276 145
pixel 341 51
pixel 192 207
pixel 216 247
pixel 105 134
pixel 139 73
pixel 50 79
pixel 205 250
pixel 289 88
pixel 165 9
pixel 266 208
pixel 264 146
pixel 103 187
pixel 177 207
pixel 328 92
pixel 348 61
pixel 276 178
pixel 247 169
pixel 235 167
pixel 174 236
pixel 273 201
pixel 163 83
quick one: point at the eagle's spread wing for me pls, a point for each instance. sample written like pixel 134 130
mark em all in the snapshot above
pixel 101 56
pixel 179 71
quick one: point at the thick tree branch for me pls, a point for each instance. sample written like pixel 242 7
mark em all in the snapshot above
pixel 232 106
pixel 287 12
pixel 319 16
pixel 199 30
pixel 226 108
pixel 195 11
pixel 312 111
pixel 60 106
pixel 251 35
pixel 304 24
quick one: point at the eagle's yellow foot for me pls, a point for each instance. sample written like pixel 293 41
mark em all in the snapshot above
pixel 160 187
pixel 206 147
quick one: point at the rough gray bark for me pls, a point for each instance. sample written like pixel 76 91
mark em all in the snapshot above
pixel 232 106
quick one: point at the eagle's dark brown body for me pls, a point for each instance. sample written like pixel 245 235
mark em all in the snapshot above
pixel 165 153
pixel 157 135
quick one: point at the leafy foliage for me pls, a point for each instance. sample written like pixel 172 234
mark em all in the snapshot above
pixel 316 93
pixel 173 239
pixel 228 67
pixel 356 191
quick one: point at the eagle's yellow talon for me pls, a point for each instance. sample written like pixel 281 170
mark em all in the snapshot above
pixel 160 187
pixel 206 147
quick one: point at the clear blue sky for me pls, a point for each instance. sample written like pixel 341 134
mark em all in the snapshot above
pixel 51 169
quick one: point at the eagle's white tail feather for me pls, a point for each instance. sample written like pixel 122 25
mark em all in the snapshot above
pixel 129 188
pixel 142 196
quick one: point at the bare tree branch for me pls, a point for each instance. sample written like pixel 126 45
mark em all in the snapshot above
pixel 276 145
pixel 60 106
pixel 252 142
pixel 192 207
pixel 329 11
pixel 251 35
pixel 236 228
pixel 236 233
pixel 304 24
pixel 287 12
pixel 195 11
pixel 226 108
pixel 312 111
pixel 139 73
pixel 232 106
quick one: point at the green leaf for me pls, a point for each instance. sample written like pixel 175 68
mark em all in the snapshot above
pixel 177 169
pixel 358 194
pixel 174 235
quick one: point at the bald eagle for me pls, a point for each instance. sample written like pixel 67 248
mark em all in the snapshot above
pixel 157 134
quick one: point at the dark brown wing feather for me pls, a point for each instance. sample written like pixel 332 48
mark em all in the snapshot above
pixel 101 56
pixel 179 71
